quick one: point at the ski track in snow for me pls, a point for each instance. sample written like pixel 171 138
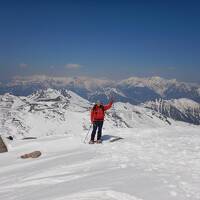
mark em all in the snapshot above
pixel 149 164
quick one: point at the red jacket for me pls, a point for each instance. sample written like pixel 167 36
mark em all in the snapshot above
pixel 98 112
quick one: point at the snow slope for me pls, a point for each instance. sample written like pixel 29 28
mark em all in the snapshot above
pixel 149 164
pixel 50 112
pixel 179 109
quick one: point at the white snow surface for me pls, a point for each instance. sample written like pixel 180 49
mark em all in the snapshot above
pixel 156 83
pixel 184 103
pixel 149 164
pixel 154 161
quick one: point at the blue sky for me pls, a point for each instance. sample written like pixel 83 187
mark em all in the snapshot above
pixel 102 38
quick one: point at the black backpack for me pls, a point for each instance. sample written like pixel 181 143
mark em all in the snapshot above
pixel 95 106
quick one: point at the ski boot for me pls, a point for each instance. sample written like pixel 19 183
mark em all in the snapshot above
pixel 99 141
pixel 91 142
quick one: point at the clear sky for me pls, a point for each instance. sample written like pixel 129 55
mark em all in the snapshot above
pixel 101 38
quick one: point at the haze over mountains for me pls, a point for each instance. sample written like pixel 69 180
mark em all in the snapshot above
pixel 134 89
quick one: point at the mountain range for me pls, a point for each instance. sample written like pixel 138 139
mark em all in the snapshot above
pixel 46 112
pixel 51 111
pixel 134 90
pixel 182 109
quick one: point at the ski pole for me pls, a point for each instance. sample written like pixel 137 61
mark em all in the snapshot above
pixel 87 133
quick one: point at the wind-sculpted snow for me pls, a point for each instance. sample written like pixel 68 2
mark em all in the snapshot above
pixel 148 164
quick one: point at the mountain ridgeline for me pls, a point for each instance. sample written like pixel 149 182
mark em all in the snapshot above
pixel 133 90
pixel 179 109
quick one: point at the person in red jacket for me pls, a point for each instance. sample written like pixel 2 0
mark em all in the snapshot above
pixel 97 119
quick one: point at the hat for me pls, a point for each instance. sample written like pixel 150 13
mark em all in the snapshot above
pixel 98 102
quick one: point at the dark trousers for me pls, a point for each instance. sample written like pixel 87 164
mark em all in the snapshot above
pixel 97 125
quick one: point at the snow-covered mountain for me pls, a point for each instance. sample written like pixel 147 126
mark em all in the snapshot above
pixel 179 109
pixel 42 113
pixel 144 89
pixel 50 111
pixel 133 90
pixel 157 159
pixel 46 112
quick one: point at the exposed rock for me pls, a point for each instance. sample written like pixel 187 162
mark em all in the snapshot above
pixel 3 147
pixel 10 137
pixel 185 110
pixel 34 154
pixel 29 138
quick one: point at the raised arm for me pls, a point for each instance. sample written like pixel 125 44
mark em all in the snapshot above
pixel 108 106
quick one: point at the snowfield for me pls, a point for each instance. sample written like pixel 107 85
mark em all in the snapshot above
pixel 158 159
pixel 149 164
